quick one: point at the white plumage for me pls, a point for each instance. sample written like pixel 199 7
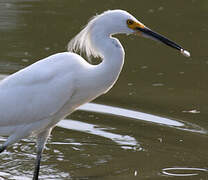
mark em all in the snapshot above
pixel 35 98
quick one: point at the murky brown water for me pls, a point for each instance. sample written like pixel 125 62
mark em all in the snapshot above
pixel 111 139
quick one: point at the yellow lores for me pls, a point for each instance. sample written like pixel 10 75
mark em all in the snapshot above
pixel 34 99
pixel 134 25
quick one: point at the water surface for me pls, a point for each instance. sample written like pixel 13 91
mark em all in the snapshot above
pixel 151 125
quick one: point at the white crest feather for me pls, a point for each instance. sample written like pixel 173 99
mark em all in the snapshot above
pixel 82 42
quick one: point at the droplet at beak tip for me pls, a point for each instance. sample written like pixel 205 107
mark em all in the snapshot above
pixel 185 53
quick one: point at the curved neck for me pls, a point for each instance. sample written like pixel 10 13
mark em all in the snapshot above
pixel 107 72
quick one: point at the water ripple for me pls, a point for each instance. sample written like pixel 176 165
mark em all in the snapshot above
pixel 183 171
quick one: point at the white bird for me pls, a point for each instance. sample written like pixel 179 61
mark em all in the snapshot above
pixel 34 99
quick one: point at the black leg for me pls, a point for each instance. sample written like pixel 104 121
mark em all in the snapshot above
pixel 37 165
pixel 41 140
pixel 2 148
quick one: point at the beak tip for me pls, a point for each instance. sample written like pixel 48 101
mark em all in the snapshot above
pixel 185 53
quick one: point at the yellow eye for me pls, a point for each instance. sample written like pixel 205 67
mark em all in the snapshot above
pixel 130 22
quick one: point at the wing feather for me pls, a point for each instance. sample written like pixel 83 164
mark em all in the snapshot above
pixel 36 92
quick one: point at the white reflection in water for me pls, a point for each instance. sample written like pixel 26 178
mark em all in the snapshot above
pixel 129 114
pixel 126 142
pixel 117 111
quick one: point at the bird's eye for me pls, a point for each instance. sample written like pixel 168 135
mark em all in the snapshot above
pixel 129 22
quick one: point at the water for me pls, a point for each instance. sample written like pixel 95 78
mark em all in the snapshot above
pixel 151 125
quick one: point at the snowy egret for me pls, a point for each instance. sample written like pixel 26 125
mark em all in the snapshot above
pixel 35 98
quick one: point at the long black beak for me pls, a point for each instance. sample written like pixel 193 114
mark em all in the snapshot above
pixel 149 33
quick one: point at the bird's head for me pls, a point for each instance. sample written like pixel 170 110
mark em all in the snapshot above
pixel 116 22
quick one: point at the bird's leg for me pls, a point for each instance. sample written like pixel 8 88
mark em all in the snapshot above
pixel 41 140
pixel 13 139
pixel 2 148
pixel 37 165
